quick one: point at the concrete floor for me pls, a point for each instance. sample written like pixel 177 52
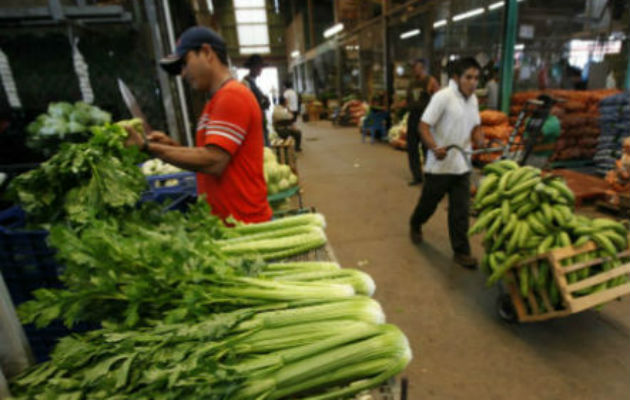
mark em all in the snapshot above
pixel 462 350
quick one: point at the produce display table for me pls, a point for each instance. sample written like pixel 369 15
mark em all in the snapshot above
pixel 585 187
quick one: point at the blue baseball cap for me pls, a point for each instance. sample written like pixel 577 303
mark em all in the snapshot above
pixel 192 39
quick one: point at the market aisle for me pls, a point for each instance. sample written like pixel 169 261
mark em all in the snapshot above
pixel 462 350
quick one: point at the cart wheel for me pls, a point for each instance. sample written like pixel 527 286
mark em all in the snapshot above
pixel 505 309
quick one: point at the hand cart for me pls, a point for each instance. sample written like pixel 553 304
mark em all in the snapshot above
pixel 575 297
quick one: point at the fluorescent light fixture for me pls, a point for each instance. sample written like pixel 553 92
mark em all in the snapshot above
pixel 519 47
pixel 295 53
pixel 496 5
pixel 411 33
pixel 255 49
pixel 333 30
pixel 469 14
pixel 440 23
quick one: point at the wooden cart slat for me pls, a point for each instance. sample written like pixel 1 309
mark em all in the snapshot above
pixel 599 298
pixel 571 303
pixel 599 278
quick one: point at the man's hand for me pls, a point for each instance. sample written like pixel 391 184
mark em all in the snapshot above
pixel 440 153
pixel 133 138
pixel 161 138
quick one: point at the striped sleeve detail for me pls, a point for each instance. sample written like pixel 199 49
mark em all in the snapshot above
pixel 225 129
pixel 225 135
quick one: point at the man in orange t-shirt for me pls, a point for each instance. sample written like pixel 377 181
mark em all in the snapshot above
pixel 228 156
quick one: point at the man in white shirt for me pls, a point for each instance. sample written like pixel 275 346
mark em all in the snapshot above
pixel 451 118
pixel 292 99
pixel 282 120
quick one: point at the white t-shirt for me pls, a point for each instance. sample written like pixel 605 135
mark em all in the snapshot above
pixel 292 100
pixel 493 95
pixel 452 119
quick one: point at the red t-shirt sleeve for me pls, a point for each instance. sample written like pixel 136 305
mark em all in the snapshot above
pixel 226 125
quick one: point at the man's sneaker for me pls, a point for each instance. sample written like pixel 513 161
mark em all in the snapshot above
pixel 415 235
pixel 466 261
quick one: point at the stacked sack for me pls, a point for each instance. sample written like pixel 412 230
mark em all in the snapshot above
pixel 524 214
pixel 614 123
pixel 578 118
pixel 356 109
pixel 496 129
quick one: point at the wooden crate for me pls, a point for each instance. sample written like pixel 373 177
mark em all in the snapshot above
pixel 528 309
pixel 285 152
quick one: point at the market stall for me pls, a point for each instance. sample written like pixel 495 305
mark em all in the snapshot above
pixel 121 276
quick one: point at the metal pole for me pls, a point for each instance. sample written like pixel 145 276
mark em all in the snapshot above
pixel 339 66
pixel 311 28
pixel 507 62
pixel 387 70
pixel 167 97
pixel 4 388
pixel 15 353
pixel 178 79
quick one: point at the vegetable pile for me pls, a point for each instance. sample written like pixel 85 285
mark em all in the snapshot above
pixel 496 131
pixel 246 354
pixel 524 214
pixel 83 180
pixel 279 177
pixel 397 134
pixel 188 307
pixel 64 122
pixel 155 166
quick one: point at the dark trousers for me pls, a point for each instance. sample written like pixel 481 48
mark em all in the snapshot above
pixel 265 131
pixel 285 132
pixel 413 141
pixel 458 189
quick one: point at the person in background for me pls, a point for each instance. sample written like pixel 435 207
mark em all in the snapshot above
pixel 493 89
pixel 255 64
pixel 274 95
pixel 451 118
pixel 282 120
pixel 228 156
pixel 419 92
pixel 292 99
pixel 451 71
pixel 549 132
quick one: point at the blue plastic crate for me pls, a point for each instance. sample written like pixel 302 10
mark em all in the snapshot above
pixel 186 184
pixel 27 263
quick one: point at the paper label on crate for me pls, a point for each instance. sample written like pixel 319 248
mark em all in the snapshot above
pixel 8 83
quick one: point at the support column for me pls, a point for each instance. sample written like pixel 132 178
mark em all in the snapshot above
pixel 387 69
pixel 339 66
pixel 507 60
pixel 178 79
pixel 628 69
pixel 311 28
pixel 165 88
